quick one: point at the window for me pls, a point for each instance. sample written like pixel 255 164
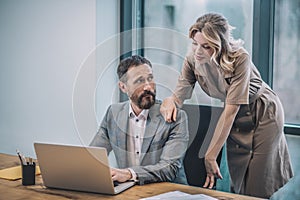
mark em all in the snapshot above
pixel 286 57
pixel 166 39
pixel 270 30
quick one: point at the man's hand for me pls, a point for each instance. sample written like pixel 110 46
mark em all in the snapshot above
pixel 120 175
pixel 168 109
pixel 212 172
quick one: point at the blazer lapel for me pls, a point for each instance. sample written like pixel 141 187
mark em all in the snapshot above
pixel 151 128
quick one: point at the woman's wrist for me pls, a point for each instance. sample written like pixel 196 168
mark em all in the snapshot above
pixel 210 157
pixel 176 101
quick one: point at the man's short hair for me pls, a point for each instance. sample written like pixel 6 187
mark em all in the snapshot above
pixel 132 61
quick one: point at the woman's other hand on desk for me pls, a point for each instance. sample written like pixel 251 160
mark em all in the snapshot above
pixel 212 173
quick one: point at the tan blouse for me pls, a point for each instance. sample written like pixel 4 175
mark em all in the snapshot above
pixel 230 87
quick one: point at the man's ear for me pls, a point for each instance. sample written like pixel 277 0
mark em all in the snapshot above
pixel 122 87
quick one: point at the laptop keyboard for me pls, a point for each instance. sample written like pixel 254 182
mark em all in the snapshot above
pixel 116 183
pixel 123 186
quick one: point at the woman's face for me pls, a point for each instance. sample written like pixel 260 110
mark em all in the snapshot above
pixel 201 48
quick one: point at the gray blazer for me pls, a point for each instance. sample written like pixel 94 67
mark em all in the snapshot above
pixel 163 147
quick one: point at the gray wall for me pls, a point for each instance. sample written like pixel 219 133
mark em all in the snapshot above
pixel 43 46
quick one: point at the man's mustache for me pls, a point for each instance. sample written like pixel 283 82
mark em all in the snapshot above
pixel 145 93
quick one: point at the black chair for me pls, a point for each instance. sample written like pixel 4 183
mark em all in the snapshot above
pixel 202 121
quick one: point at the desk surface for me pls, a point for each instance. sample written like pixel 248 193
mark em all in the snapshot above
pixel 15 189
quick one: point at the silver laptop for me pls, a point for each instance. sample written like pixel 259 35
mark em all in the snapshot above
pixel 77 168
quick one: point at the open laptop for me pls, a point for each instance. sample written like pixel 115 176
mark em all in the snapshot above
pixel 77 168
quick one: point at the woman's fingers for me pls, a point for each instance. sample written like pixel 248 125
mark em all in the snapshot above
pixel 213 172
pixel 209 182
pixel 168 116
pixel 212 182
pixel 206 182
pixel 210 179
pixel 168 110
pixel 219 175
pixel 174 114
pixel 171 115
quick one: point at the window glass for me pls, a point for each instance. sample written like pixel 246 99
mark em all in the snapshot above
pixel 286 57
pixel 167 46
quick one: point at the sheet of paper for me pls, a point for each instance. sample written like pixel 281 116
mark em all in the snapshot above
pixel 178 195
pixel 15 173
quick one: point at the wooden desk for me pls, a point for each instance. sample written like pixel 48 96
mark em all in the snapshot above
pixel 15 189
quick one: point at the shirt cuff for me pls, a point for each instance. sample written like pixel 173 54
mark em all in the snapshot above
pixel 134 176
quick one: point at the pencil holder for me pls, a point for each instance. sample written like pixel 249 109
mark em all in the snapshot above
pixel 28 174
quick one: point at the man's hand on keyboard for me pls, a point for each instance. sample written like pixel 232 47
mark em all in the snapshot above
pixel 120 175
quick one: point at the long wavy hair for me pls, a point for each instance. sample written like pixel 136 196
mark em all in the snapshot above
pixel 217 31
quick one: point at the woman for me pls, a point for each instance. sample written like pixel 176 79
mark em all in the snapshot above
pixel 252 119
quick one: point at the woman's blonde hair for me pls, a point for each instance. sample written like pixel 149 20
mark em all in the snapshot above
pixel 217 31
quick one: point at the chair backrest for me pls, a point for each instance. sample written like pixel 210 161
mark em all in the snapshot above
pixel 202 121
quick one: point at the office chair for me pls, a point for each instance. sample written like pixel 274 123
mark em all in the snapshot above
pixel 202 120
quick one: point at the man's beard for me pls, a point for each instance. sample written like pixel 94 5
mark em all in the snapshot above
pixel 148 101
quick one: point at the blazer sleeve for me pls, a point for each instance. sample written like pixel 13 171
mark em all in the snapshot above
pixel 170 156
pixel 101 139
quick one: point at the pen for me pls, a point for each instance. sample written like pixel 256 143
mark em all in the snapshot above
pixel 21 157
pixel 30 161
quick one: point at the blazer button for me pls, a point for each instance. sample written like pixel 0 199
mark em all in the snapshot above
pixel 248 113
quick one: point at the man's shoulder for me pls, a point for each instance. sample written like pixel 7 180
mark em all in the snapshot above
pixel 180 112
pixel 117 107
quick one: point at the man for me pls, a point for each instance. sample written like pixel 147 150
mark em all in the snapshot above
pixel 147 148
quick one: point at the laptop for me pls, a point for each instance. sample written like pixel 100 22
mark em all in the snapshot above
pixel 77 168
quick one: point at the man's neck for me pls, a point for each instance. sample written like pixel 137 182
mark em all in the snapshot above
pixel 136 109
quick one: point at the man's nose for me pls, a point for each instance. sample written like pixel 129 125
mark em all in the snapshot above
pixel 147 85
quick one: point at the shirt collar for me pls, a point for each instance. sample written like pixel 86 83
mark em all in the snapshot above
pixel 142 115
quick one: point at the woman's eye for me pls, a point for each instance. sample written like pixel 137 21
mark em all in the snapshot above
pixel 194 43
pixel 206 47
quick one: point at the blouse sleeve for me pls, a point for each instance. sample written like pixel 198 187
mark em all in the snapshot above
pixel 186 82
pixel 238 92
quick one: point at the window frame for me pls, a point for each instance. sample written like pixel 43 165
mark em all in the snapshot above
pixel 263 47
pixel 130 21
